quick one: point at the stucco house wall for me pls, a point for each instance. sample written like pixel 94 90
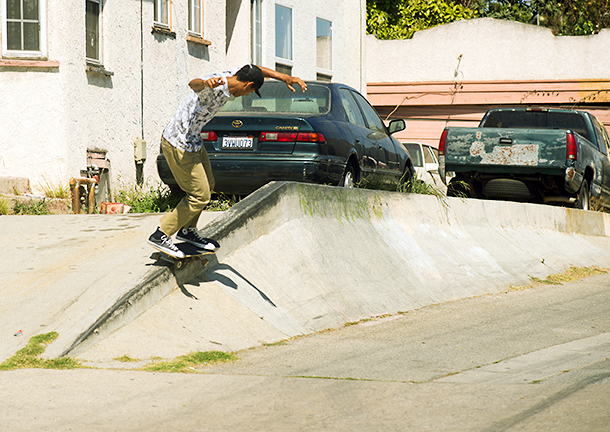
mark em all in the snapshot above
pixel 54 109
pixel 451 74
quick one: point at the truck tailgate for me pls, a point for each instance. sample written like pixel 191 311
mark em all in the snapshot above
pixel 491 148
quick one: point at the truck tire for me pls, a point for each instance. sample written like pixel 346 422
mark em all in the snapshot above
pixel 582 202
pixel 458 188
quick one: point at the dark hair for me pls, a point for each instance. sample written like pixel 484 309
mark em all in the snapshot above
pixel 251 73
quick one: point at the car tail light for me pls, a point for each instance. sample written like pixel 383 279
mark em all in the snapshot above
pixel 209 136
pixel 571 148
pixel 291 137
pixel 442 143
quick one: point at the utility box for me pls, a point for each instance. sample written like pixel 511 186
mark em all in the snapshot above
pixel 139 150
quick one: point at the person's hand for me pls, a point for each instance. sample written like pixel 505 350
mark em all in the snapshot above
pixel 290 81
pixel 213 82
pixel 198 84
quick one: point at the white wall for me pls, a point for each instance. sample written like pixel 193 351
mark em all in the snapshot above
pixel 51 116
pixel 491 50
pixel 348 33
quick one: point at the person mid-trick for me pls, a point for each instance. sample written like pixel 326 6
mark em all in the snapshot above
pixel 186 156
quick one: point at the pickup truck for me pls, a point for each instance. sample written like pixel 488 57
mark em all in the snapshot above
pixel 529 154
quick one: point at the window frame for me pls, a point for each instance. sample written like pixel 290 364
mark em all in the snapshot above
pixel 319 69
pixel 257 31
pixel 288 62
pixel 92 60
pixel 41 53
pixel 157 6
pixel 192 15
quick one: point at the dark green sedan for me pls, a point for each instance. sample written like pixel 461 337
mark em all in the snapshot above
pixel 329 134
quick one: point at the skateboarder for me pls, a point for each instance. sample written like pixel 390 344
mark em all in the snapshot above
pixel 187 159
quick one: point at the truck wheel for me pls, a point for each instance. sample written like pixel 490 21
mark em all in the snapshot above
pixel 583 196
pixel 458 188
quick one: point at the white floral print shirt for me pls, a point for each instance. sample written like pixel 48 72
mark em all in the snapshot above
pixel 183 130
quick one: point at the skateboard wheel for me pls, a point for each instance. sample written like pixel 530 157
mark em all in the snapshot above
pixel 178 264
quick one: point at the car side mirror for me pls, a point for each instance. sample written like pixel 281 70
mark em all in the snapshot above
pixel 397 126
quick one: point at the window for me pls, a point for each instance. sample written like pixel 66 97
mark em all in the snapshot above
pixel 93 33
pixel 324 44
pixel 371 116
pixel 277 98
pixel 161 15
pixel 323 77
pixel 283 32
pixel 24 24
pixel 283 68
pixel 195 17
pixel 351 108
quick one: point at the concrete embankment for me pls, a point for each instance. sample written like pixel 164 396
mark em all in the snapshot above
pixel 297 259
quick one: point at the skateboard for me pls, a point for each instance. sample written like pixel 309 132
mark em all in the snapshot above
pixel 191 252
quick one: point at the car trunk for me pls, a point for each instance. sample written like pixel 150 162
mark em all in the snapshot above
pixel 248 134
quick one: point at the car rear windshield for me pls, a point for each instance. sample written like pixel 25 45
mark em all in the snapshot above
pixel 277 98
pixel 537 120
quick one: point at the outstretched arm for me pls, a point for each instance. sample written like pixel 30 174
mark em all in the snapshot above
pixel 289 80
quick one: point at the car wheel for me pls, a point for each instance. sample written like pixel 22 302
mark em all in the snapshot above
pixel 349 177
pixel 583 196
pixel 406 181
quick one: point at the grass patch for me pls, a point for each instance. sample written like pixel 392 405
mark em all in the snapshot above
pixel 573 274
pixel 126 359
pixel 29 356
pixel 34 207
pixel 221 202
pixel 55 190
pixel 148 199
pixel 189 363
pixel 160 198
pixel 4 207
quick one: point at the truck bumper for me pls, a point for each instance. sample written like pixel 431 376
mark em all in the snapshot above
pixel 573 180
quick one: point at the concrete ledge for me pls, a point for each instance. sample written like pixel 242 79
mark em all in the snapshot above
pixel 14 186
pixel 303 258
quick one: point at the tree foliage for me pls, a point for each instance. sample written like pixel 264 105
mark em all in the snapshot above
pixel 400 19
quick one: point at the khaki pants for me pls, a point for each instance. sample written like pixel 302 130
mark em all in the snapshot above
pixel 193 173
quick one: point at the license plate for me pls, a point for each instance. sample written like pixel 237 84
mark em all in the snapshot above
pixel 237 143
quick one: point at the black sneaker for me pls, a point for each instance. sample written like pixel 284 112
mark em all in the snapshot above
pixel 162 242
pixel 191 235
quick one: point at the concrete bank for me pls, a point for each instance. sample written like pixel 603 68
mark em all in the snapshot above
pixel 297 259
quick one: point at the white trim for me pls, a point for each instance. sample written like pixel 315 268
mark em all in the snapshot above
pixel 42 35
pixel 256 31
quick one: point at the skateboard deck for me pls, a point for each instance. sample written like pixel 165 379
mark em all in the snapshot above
pixel 189 250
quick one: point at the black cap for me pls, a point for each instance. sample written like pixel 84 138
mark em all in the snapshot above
pixel 252 73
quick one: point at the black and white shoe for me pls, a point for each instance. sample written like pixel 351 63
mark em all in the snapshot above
pixel 160 241
pixel 191 235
